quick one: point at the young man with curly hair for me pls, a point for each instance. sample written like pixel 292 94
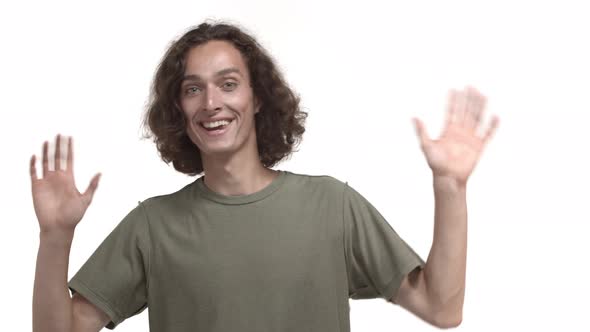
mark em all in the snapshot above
pixel 245 247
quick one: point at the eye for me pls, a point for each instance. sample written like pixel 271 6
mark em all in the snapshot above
pixel 229 86
pixel 192 90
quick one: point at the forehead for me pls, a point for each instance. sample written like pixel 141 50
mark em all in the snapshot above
pixel 207 59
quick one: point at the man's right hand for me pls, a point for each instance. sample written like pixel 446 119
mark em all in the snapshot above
pixel 59 205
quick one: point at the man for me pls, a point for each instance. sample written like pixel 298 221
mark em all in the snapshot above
pixel 245 247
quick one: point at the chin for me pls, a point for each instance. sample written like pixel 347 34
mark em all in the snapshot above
pixel 217 149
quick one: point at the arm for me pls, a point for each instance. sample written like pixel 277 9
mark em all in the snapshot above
pixel 436 293
pixel 86 317
pixel 52 305
pixel 53 309
pixel 59 208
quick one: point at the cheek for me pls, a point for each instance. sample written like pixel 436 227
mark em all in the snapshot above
pixel 188 114
pixel 184 104
pixel 188 109
pixel 242 102
pixel 190 131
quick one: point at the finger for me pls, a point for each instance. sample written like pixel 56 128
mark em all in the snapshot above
pixel 89 193
pixel 70 162
pixel 45 159
pixel 421 132
pixel 479 111
pixel 57 158
pixel 32 169
pixel 460 101
pixel 477 103
pixel 450 114
pixel 492 129
pixel 471 104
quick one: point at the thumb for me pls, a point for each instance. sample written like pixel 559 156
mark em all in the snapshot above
pixel 89 193
pixel 421 131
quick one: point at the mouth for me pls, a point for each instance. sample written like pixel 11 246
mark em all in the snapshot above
pixel 215 128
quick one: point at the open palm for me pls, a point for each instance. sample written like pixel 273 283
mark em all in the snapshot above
pixel 58 204
pixel 456 152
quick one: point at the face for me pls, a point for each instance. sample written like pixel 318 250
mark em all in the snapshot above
pixel 217 99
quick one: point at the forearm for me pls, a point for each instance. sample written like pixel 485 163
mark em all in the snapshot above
pixel 446 263
pixel 52 304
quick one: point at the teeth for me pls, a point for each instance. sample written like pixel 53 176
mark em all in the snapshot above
pixel 215 123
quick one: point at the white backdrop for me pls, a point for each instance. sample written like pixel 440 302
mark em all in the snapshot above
pixel 363 70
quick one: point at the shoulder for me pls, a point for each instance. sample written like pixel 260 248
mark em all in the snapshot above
pixel 174 200
pixel 316 183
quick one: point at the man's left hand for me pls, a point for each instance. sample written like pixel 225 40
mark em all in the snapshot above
pixel 456 152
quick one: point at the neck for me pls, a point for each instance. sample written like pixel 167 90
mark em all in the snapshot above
pixel 240 173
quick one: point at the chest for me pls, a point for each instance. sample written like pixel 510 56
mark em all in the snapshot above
pixel 223 250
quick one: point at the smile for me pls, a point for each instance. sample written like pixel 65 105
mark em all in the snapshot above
pixel 215 128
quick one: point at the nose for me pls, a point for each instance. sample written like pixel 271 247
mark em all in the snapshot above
pixel 212 99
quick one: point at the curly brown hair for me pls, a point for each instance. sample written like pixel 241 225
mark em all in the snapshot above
pixel 279 123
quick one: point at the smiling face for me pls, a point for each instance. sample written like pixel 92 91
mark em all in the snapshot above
pixel 217 100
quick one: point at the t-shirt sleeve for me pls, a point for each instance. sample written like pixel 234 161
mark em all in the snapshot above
pixel 115 277
pixel 377 258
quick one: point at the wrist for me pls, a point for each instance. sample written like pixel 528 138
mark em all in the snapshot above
pixel 57 236
pixel 448 184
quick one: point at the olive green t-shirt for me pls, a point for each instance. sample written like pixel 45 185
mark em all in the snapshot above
pixel 286 258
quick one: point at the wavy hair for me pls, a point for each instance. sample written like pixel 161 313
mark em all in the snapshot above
pixel 279 123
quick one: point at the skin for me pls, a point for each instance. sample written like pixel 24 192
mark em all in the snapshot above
pixel 436 293
pixel 230 163
pixel 217 85
pixel 59 207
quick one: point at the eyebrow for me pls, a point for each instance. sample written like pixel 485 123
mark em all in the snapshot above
pixel 194 77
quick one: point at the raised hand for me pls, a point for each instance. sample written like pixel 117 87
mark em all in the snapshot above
pixel 59 206
pixel 456 152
